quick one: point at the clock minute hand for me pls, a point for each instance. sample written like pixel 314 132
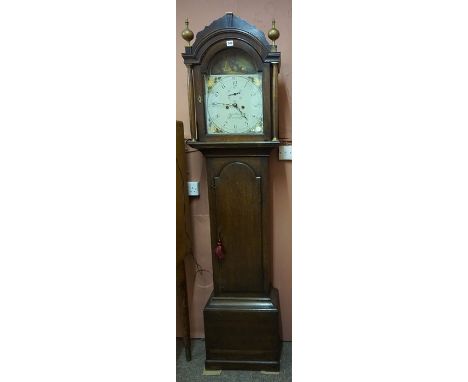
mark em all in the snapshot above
pixel 239 110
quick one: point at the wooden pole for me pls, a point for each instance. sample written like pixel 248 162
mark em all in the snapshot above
pixel 274 105
pixel 191 100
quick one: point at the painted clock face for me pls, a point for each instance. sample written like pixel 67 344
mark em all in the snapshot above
pixel 234 104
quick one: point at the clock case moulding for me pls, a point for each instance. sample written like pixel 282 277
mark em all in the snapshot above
pixel 242 315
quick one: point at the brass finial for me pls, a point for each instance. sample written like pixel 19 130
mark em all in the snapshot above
pixel 273 34
pixel 187 34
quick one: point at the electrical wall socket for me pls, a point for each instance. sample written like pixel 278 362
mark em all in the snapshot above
pixel 193 188
pixel 285 152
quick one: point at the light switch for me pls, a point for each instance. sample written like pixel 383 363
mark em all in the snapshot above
pixel 285 152
pixel 193 188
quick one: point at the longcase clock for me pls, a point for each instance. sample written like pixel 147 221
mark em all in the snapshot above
pixel 232 74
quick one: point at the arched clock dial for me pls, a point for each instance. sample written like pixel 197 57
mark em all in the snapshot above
pixel 234 104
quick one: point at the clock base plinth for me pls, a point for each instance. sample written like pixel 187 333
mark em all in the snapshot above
pixel 242 333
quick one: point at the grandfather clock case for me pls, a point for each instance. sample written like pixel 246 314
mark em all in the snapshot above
pixel 232 74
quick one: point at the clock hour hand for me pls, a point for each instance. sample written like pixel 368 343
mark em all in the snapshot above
pixel 233 94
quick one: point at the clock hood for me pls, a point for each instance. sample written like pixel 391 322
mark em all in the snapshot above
pixel 229 26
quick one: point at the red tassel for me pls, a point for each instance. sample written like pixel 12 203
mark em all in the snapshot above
pixel 219 252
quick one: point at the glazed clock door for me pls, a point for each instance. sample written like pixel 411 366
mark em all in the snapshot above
pixel 232 94
pixel 238 224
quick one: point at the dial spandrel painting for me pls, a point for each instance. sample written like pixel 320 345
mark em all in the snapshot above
pixel 234 104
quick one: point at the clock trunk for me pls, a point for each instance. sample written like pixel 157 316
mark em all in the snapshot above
pixel 242 315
